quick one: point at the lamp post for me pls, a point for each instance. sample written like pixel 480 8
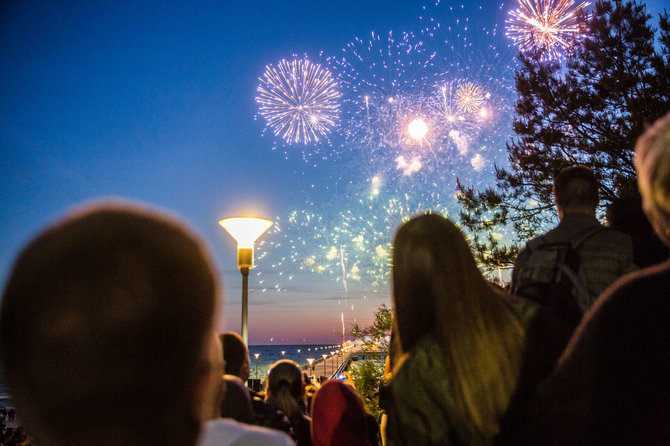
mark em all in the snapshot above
pixel 245 231
pixel 324 364
pixel 332 360
pixel 311 368
pixel 256 355
pixel 283 352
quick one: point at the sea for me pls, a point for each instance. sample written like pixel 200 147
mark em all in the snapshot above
pixel 4 394
pixel 267 355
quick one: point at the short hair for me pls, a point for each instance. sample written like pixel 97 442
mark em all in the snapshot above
pixel 236 402
pixel 575 187
pixel 103 328
pixel 234 352
pixel 653 169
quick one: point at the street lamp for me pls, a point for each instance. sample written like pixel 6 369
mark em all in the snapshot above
pixel 283 352
pixel 332 359
pixel 256 355
pixel 324 364
pixel 245 231
pixel 311 368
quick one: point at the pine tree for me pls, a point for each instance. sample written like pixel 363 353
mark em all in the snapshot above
pixel 590 109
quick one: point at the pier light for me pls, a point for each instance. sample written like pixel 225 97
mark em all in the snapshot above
pixel 245 231
pixel 257 355
pixel 324 356
pixel 311 367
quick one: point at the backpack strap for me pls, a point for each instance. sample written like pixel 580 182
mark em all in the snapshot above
pixel 530 248
pixel 574 242
pixel 584 234
pixel 568 258
pixel 534 244
pixel 572 263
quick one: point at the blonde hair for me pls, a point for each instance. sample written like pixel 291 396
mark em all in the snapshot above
pixel 438 291
pixel 653 170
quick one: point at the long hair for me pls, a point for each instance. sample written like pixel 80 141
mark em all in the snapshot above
pixel 438 291
pixel 285 387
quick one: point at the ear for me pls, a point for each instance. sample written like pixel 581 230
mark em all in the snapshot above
pixel 245 368
pixel 559 210
pixel 661 228
pixel 209 385
pixel 201 394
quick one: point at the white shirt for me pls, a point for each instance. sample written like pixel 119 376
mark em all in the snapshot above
pixel 228 432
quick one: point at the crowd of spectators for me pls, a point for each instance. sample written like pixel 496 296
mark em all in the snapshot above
pixel 107 335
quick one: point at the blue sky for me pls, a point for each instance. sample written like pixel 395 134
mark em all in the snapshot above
pixel 154 102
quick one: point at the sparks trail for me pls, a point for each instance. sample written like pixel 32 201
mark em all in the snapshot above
pixel 550 26
pixel 344 272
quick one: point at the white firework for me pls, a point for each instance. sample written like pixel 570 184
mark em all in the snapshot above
pixel 299 100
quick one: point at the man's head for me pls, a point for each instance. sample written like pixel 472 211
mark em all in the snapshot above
pixel 576 191
pixel 235 355
pixel 103 329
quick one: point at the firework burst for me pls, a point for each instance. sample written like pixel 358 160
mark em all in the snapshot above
pixel 550 26
pixel 471 97
pixel 354 245
pixel 299 100
pixel 383 76
pixel 450 82
pixel 458 104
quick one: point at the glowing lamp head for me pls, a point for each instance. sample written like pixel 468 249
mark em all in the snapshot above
pixel 310 360
pixel 245 231
pixel 417 129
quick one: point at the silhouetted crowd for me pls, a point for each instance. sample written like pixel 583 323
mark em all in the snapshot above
pixel 107 335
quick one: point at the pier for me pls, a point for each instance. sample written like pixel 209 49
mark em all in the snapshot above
pixel 328 366
pixel 323 369
pixel 331 366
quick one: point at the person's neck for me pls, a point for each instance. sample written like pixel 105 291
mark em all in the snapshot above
pixel 588 212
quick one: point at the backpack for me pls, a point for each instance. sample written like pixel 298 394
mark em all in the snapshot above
pixel 553 277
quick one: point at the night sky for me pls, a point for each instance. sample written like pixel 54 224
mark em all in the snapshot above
pixel 155 102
